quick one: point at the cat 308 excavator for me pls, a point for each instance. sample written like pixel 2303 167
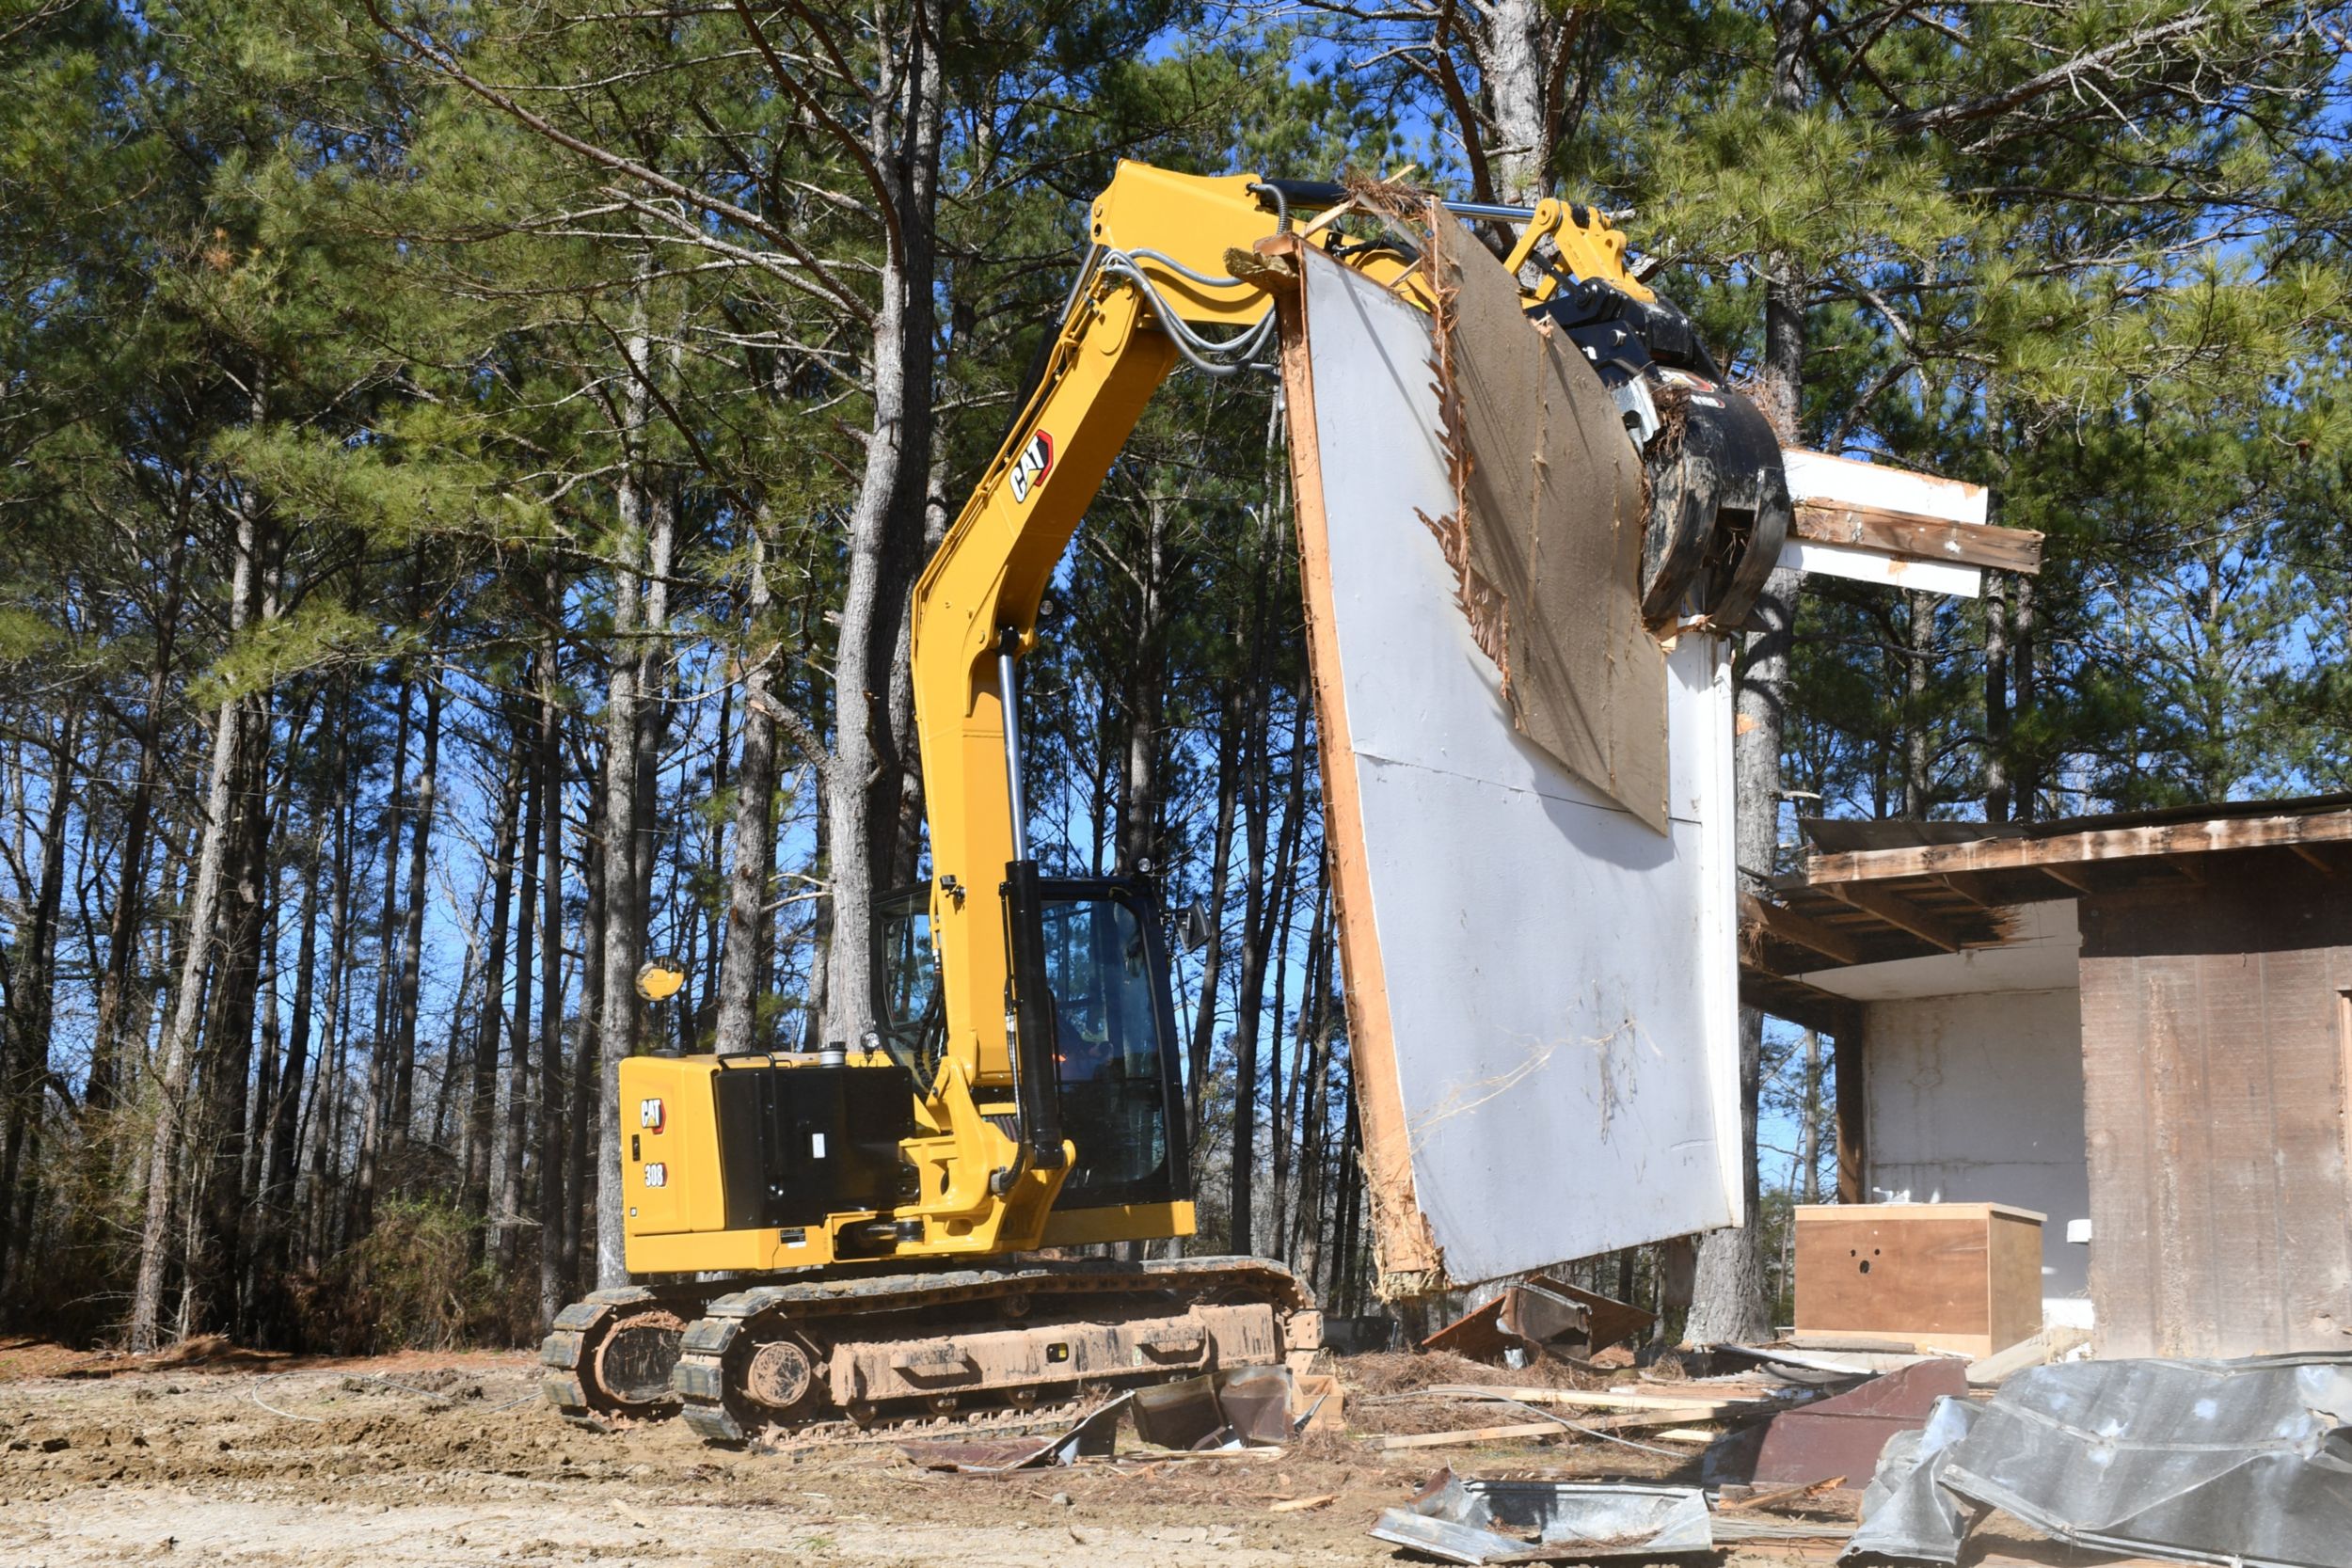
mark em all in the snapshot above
pixel 853 1236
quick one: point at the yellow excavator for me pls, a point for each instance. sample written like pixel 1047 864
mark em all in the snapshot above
pixel 891 1231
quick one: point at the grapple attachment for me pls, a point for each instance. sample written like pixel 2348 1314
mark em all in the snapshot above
pixel 1719 507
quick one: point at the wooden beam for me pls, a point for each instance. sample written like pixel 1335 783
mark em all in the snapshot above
pixel 1683 1407
pixel 2315 858
pixel 1406 1246
pixel 1849 1079
pixel 1913 537
pixel 1808 1007
pixel 1474 1435
pixel 1818 476
pixel 1802 931
pixel 1897 911
pixel 2064 878
pixel 2083 849
pixel 1953 883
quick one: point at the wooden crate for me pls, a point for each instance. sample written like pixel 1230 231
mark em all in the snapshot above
pixel 1962 1276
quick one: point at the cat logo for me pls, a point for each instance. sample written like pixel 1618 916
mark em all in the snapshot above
pixel 1031 465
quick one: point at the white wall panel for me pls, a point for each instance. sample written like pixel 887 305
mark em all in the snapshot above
pixel 1560 992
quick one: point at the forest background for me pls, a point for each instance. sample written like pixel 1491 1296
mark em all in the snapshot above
pixel 462 464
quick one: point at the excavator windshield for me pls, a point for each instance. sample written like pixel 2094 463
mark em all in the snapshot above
pixel 1116 1062
pixel 1111 1058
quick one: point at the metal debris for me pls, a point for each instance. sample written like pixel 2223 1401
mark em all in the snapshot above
pixel 1256 1403
pixel 2243 1461
pixel 1843 1435
pixel 1093 1436
pixel 1905 1513
pixel 1481 1521
pixel 1540 1315
pixel 1181 1415
pixel 1822 1369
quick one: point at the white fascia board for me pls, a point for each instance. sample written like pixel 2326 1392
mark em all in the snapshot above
pixel 1840 560
pixel 1817 476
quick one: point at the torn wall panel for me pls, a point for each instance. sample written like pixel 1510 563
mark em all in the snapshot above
pixel 1546 533
pixel 1541 986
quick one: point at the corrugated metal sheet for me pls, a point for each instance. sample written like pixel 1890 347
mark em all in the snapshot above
pixel 2243 1462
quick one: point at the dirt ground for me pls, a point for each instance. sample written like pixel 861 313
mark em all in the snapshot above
pixel 229 1458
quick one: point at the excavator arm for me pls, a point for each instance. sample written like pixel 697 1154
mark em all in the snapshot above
pixel 1153 289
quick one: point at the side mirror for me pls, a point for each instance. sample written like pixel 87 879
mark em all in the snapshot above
pixel 1192 926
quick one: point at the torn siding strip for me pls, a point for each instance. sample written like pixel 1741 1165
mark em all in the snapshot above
pixel 1485 608
pixel 1546 533
pixel 1410 1260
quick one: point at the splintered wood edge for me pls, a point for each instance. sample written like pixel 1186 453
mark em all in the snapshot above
pixel 1404 1246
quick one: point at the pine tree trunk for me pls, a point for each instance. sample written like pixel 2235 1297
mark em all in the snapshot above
pixel 2029 780
pixel 510 1170
pixel 1260 929
pixel 1146 690
pixel 1727 1302
pixel 247 898
pixel 109 1037
pixel 1996 785
pixel 1513 79
pixel 743 963
pixel 328 1097
pixel 372 1103
pixel 1919 627
pixel 1213 955
pixel 552 1115
pixel 886 523
pixel 165 1146
pixel 581 1096
pixel 286 1106
pixel 412 931
pixel 27 1041
pixel 482 1100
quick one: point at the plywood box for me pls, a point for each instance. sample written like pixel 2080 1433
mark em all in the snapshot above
pixel 1960 1276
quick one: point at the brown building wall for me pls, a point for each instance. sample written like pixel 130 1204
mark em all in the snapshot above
pixel 2214 1075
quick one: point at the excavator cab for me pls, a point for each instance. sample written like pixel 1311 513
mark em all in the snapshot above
pixel 1116 1078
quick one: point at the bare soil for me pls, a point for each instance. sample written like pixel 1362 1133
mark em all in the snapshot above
pixel 230 1457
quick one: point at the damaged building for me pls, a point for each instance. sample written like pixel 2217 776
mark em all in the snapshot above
pixel 2136 1025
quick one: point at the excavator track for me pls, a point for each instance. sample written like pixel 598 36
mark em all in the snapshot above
pixel 819 1359
pixel 610 1356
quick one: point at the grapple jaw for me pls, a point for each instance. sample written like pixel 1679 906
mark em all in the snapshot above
pixel 1719 508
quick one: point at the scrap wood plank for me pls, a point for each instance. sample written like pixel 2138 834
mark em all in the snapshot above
pixel 1778 1495
pixel 2053 1342
pixel 1825 479
pixel 1473 1435
pixel 1682 1406
pixel 1910 535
